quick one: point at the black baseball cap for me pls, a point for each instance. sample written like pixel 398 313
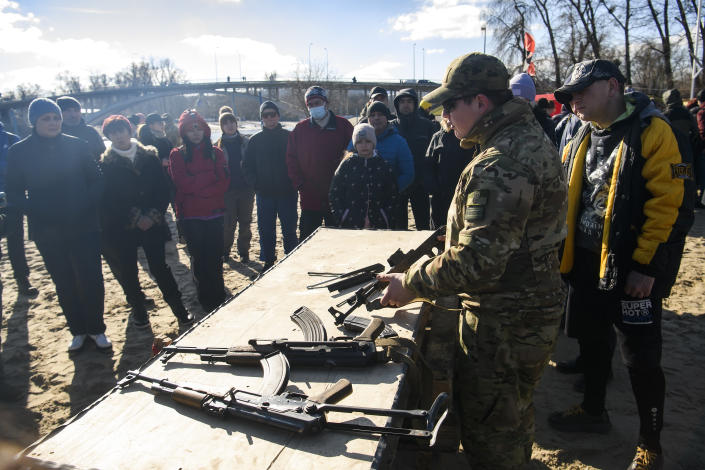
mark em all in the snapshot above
pixel 152 118
pixel 584 74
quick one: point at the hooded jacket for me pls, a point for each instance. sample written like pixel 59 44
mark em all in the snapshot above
pixel 264 165
pixel 87 133
pixel 62 182
pixel 644 227
pixel 132 189
pixel 416 129
pixel 200 183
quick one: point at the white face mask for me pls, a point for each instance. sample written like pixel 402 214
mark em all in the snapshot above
pixel 318 113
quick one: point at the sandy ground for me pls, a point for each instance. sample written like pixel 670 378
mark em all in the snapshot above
pixel 58 385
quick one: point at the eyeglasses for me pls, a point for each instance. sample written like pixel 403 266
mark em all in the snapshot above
pixel 268 115
pixel 449 105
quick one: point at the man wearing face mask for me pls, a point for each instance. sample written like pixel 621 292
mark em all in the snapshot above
pixel 314 150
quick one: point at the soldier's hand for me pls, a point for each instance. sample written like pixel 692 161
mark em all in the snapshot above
pixel 395 295
pixel 638 285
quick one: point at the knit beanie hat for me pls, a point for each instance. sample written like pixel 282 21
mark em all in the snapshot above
pixel 379 107
pixel 41 106
pixel 226 116
pixel 188 119
pixel 316 92
pixel 114 123
pixel 268 105
pixel 523 85
pixel 225 109
pixel 364 131
pixel 68 102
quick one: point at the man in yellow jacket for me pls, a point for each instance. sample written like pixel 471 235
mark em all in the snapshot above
pixel 627 221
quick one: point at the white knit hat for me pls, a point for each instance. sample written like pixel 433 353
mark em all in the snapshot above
pixel 364 131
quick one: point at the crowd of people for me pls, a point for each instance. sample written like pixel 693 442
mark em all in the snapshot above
pixel 581 215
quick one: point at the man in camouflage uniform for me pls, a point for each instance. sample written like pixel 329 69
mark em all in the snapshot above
pixel 504 228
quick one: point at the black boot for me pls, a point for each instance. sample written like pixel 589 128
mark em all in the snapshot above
pixel 180 312
pixel 140 318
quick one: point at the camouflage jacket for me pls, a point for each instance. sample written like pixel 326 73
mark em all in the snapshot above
pixel 507 218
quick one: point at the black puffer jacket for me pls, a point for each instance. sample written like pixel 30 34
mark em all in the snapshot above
pixel 133 189
pixel 363 187
pixel 63 186
pixel 264 165
pixel 90 135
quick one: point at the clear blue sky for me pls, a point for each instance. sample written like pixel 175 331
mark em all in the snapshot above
pixel 372 40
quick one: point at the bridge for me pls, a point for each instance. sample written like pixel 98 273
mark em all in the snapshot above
pixel 113 100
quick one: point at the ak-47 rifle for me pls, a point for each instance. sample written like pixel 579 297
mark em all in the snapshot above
pixel 295 412
pixel 360 351
pixel 399 262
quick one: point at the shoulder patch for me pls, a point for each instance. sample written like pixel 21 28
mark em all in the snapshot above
pixel 683 171
pixel 475 205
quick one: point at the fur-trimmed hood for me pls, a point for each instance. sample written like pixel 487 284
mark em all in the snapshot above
pixel 110 157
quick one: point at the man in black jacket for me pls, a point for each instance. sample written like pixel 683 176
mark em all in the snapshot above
pixel 152 133
pixel 63 188
pixel 446 160
pixel 265 169
pixel 417 131
pixel 73 124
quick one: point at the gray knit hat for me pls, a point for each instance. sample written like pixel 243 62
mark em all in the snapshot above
pixel 268 105
pixel 41 106
pixel 364 131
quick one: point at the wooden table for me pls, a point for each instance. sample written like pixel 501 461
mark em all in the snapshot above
pixel 130 428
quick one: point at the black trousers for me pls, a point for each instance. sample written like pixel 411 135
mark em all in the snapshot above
pixel 15 244
pixel 120 252
pixel 311 220
pixel 420 207
pixel 76 269
pixel 204 239
pixel 637 323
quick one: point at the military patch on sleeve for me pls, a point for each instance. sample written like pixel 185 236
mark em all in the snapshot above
pixel 475 205
pixel 683 171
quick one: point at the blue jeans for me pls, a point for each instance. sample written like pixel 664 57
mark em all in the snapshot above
pixel 268 208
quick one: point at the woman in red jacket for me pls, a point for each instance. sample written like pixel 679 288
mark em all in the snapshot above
pixel 201 178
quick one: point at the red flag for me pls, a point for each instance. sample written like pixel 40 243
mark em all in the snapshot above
pixel 529 44
pixel 531 69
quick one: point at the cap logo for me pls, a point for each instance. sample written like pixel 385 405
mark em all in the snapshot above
pixel 578 71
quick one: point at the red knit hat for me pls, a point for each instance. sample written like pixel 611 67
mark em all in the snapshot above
pixel 190 117
pixel 114 123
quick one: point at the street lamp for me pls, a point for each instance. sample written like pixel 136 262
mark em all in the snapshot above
pixel 484 36
pixel 326 49
pixel 413 61
pixel 309 60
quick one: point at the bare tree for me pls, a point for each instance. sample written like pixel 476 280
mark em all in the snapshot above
pixel 622 15
pixel 587 15
pixel 26 91
pixel 508 20
pixel 544 8
pixel 68 83
pixel 165 72
pixel 99 81
pixel 661 23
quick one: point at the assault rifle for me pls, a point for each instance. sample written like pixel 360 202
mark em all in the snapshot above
pixel 295 412
pixel 400 262
pixel 342 281
pixel 339 352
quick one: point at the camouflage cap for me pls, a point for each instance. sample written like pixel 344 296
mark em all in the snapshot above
pixel 471 73
pixel 584 74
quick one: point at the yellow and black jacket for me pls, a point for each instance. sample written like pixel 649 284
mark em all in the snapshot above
pixel 648 211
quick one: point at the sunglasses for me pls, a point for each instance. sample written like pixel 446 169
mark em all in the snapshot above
pixel 449 105
pixel 268 115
